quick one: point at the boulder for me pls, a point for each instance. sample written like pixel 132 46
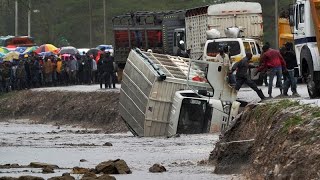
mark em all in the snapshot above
pixel 30 178
pixel 8 178
pixel 83 160
pixel 42 165
pixel 106 167
pixel 107 144
pixel 106 177
pixel 157 168
pixel 65 176
pixel 89 176
pixel 47 170
pixel 113 167
pixel 80 170
pixel 122 167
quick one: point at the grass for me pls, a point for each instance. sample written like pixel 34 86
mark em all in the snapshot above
pixel 292 122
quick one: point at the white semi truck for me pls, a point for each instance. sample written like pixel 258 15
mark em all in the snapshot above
pixel 305 21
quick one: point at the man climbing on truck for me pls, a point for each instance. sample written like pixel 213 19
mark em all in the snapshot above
pixel 242 77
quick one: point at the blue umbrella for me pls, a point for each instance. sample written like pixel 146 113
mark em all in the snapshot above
pixel 20 49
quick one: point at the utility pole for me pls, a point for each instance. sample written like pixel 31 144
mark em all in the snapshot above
pixel 276 14
pixel 104 21
pixel 29 18
pixel 90 24
pixel 16 18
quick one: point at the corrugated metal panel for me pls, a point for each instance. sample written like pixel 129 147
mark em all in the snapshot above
pixel 196 27
pixel 251 24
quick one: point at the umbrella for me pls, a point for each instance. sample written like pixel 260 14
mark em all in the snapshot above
pixel 47 48
pixel 4 50
pixel 11 55
pixel 2 55
pixel 68 50
pixel 20 49
pixel 83 51
pixel 30 49
pixel 46 54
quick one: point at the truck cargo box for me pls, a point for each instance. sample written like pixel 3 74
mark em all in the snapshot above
pixel 246 15
pixel 149 84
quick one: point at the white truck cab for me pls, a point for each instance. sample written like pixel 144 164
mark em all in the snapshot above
pixel 305 26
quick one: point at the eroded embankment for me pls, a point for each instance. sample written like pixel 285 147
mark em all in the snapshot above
pixel 272 141
pixel 88 109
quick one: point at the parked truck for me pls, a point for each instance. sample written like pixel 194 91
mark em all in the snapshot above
pixel 190 27
pixel 305 21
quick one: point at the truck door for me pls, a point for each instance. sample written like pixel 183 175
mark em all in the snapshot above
pixel 299 28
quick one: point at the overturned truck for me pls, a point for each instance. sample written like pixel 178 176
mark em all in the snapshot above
pixel 162 95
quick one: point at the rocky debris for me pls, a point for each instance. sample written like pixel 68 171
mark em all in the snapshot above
pixel 89 176
pixel 91 110
pixel 94 177
pixel 80 145
pixel 43 165
pixel 107 144
pixel 157 168
pixel 83 160
pixel 8 166
pixel 8 178
pixel 47 170
pixel 30 178
pixel 278 140
pixel 80 170
pixel 65 176
pixel 113 167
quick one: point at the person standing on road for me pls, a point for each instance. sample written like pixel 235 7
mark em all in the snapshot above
pixel 109 70
pixel 291 61
pixel 274 62
pixel 242 76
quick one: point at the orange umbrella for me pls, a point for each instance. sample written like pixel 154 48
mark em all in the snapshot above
pixel 47 48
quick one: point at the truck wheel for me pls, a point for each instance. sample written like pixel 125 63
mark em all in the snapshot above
pixel 313 91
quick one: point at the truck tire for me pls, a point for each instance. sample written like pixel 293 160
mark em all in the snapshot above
pixel 309 74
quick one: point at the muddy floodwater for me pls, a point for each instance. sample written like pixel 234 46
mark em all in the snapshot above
pixel 22 142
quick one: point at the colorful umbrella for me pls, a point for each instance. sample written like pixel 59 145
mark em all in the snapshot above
pixel 2 55
pixel 47 48
pixel 4 50
pixel 30 49
pixel 11 55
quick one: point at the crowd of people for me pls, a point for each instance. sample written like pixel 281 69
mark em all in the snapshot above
pixel 33 71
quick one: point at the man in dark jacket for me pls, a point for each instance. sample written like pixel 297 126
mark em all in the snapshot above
pixel 242 75
pixel 291 61
pixel 110 70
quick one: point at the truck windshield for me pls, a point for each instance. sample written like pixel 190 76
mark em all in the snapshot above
pixel 213 48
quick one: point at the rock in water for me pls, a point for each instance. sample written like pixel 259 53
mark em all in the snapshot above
pixel 107 144
pixel 122 167
pixel 42 165
pixel 157 168
pixel 8 178
pixel 65 176
pixel 30 178
pixel 80 170
pixel 89 176
pixel 113 167
pixel 47 170
pixel 106 177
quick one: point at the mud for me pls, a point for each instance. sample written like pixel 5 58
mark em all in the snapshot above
pixel 272 141
pixel 88 109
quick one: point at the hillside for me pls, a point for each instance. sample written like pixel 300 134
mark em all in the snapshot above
pixel 60 20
